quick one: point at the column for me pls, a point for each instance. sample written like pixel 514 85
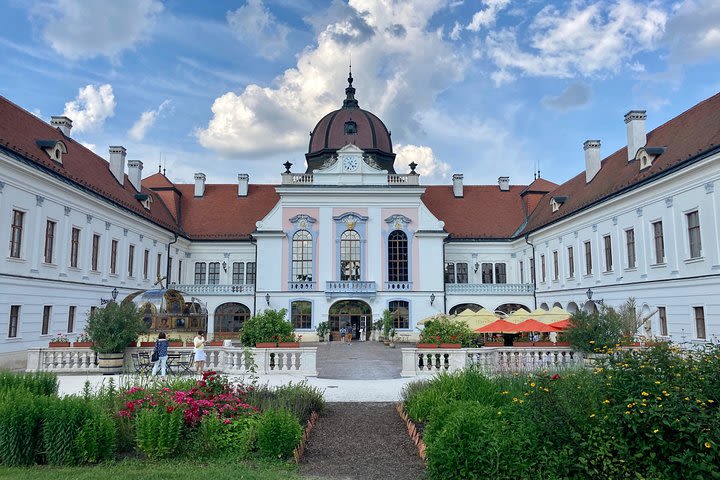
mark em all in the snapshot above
pixel 36 235
pixel 643 259
pixel 676 237
pixel 714 225
pixel 63 243
pixel 105 256
pixel 86 249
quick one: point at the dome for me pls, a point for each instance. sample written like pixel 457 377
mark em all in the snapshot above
pixel 350 125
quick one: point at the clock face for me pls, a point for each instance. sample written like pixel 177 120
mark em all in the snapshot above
pixel 350 163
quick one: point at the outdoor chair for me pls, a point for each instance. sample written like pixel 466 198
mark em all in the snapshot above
pixel 141 363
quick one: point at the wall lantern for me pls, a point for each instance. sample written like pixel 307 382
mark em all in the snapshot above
pixel 114 294
pixel 224 266
pixel 477 265
pixel 432 298
pixel 267 299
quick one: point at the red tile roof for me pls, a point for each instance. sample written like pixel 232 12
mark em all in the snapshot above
pixel 695 131
pixel 19 132
pixel 483 212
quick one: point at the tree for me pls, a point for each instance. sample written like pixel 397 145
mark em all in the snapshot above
pixel 268 326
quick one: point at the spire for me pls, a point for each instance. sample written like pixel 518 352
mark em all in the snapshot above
pixel 350 101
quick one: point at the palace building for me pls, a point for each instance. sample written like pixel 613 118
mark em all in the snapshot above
pixel 344 237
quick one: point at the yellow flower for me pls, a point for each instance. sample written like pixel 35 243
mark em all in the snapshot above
pixel 630 405
pixel 657 382
pixel 532 384
pixel 627 413
pixel 546 389
pixel 711 401
pixel 606 401
pixel 707 445
pixel 504 392
pixel 645 394
pixel 591 416
pixel 656 430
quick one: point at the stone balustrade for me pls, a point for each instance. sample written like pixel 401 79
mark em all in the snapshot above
pixel 228 360
pixel 216 289
pixel 489 288
pixel 492 360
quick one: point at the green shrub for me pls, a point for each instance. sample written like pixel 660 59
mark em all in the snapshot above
pixel 97 439
pixel 446 330
pixel 597 331
pixel 265 327
pixel 158 432
pixel 239 437
pixel 299 398
pixel 38 383
pixel 20 427
pixel 114 327
pixel 63 419
pixel 279 432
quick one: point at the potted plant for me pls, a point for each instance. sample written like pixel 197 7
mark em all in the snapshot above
pixel 83 340
pixel 59 341
pixel 322 329
pixel 387 325
pixel 111 329
pixel 446 333
pixel 175 342
pixel 214 343
pixel 392 333
pixel 263 330
pixel 288 341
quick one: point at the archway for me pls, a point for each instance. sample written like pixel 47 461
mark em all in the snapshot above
pixel 590 307
pixel 464 306
pixel 557 304
pixel 572 307
pixel 646 316
pixel 544 306
pixel 229 319
pixel 508 308
pixel 355 313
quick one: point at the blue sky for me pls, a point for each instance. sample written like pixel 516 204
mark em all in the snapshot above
pixel 484 88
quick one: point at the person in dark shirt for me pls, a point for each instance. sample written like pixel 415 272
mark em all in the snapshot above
pixel 161 347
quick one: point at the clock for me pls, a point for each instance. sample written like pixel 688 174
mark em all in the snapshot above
pixel 350 164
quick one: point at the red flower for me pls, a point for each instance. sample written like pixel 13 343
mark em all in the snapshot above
pixel 555 377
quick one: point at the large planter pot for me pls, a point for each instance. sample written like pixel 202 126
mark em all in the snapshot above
pixel 215 343
pixel 59 344
pixel 494 344
pixel 111 363
pixel 175 344
pixel 522 344
pixel 544 344
pixel 451 345
pixel 82 344
pixel 147 344
pixel 265 345
pixel 426 345
pixel 289 344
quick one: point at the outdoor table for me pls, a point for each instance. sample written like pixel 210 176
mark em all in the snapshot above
pixel 180 362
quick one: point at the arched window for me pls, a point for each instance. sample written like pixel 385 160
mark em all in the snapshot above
pixel 350 255
pixel 301 314
pixel 302 257
pixel 400 313
pixel 397 257
pixel 229 318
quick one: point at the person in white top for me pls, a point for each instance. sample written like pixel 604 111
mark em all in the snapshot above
pixel 199 351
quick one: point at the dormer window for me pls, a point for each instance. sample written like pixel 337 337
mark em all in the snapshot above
pixel 350 128
pixel 556 202
pixel 145 199
pixel 647 155
pixel 53 148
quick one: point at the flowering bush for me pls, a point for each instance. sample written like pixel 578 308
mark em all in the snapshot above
pixel 59 338
pixel 445 330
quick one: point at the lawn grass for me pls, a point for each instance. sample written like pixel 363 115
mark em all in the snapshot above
pixel 216 469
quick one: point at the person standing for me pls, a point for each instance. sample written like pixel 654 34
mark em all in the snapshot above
pixel 349 334
pixel 342 333
pixel 199 351
pixel 161 347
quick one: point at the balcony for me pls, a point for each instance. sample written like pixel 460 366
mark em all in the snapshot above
pixel 398 286
pixel 216 289
pixel 350 288
pixel 301 286
pixel 489 288
pixel 308 179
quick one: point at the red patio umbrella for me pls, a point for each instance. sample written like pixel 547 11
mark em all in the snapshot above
pixel 498 326
pixel 532 325
pixel 562 324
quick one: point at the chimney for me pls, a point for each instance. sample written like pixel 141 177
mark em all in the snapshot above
pixel 243 180
pixel 199 184
pixel 63 123
pixel 636 133
pixel 135 173
pixel 592 159
pixel 458 185
pixel 117 163
pixel 504 183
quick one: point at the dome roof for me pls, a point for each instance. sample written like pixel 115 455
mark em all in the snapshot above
pixel 350 125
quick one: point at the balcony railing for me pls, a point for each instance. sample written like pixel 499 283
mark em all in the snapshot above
pixel 398 286
pixel 308 179
pixel 489 288
pixel 301 286
pixel 216 289
pixel 409 179
pixel 350 287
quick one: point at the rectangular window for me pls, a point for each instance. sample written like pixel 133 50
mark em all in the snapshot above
pixel 199 273
pixel 113 257
pixel 532 269
pixel 522 273
pixel 400 313
pixel 571 262
pixel 92 310
pixel 700 322
pixel 500 273
pixel 95 252
pixel 238 272
pixel 74 247
pixel 449 273
pixel 659 242
pixel 588 259
pixel 462 272
pixel 47 314
pixel 179 271
pixel 71 319
pixel 556 266
pixel 630 244
pixel 693 224
pixel 146 263
pixel 487 273
pixel 158 266
pixel 131 260
pixel 14 320
pixel 250 273
pixel 169 270
pixel 607 241
pixel 662 315
pixel 214 273
pixel 301 315
pixel 542 268
pixel 16 234
pixel 49 240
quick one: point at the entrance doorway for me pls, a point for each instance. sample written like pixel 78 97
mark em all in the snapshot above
pixel 355 313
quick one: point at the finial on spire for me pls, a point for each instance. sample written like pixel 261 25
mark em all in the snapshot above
pixel 350 101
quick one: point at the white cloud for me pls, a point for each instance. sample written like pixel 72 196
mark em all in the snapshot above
pixel 399 68
pixel 487 17
pixel 254 24
pixel 455 32
pixel 89 146
pixel 91 107
pixel 89 28
pixel 431 169
pixel 146 120
pixel 575 95
pixel 586 39
pixel 693 33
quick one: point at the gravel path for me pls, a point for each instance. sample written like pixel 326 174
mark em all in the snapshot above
pixel 361 441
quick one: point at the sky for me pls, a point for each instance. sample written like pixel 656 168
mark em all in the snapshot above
pixel 484 88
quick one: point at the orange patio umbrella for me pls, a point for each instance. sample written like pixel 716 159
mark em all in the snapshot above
pixel 532 325
pixel 561 325
pixel 498 326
